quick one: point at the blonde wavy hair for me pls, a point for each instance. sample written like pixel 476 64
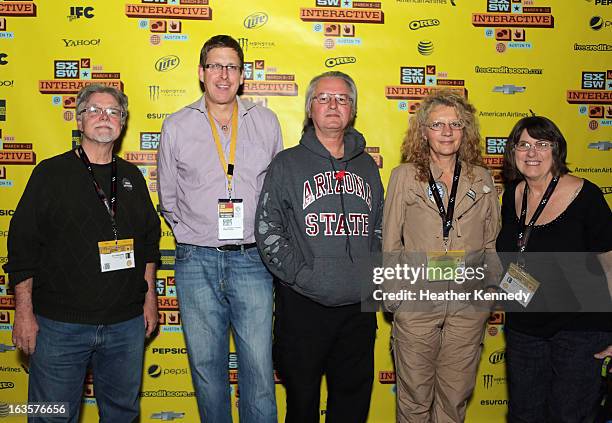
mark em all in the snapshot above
pixel 415 148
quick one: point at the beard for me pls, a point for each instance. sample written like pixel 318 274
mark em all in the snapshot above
pixel 103 135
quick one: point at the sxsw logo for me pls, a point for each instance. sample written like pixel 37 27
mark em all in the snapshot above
pixel 149 140
pixel 328 3
pixel 495 145
pixel 498 6
pixel 77 12
pixel 66 69
pixel 232 361
pixel 410 75
pixel 248 70
pixel 593 80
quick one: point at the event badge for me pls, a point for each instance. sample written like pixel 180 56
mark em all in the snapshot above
pixel 116 255
pixel 231 219
pixel 445 265
pixel 517 280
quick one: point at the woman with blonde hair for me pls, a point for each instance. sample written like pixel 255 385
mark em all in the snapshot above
pixel 442 205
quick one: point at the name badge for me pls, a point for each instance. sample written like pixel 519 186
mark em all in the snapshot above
pixel 518 281
pixel 231 219
pixel 445 265
pixel 116 255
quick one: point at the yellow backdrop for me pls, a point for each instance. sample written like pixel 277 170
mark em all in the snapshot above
pixel 510 57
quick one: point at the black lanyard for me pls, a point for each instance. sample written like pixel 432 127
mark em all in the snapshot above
pixel 111 206
pixel 523 235
pixel 446 215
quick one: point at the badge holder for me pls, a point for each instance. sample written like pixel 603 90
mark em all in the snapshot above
pixel 443 266
pixel 231 219
pixel 116 255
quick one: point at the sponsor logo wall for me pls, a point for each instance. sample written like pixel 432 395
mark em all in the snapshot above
pixel 511 58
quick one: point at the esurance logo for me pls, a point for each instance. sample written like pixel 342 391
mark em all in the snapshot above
pixel 167 63
pixel 423 23
pixel 255 20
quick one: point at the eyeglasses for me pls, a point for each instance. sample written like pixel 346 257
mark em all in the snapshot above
pixel 538 145
pixel 218 68
pixel 341 99
pixel 95 111
pixel 454 125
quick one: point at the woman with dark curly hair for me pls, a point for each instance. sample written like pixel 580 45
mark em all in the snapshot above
pixel 441 204
pixel 554 359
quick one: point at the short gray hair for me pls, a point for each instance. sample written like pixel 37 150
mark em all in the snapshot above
pixel 310 92
pixel 89 90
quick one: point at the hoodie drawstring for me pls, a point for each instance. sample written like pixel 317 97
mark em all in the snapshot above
pixel 339 175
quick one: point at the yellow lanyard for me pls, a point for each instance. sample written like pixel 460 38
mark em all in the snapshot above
pixel 228 168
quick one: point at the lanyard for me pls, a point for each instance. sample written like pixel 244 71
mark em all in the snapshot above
pixel 111 206
pixel 446 215
pixel 523 235
pixel 228 168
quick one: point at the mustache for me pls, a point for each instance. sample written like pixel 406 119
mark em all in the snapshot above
pixel 104 125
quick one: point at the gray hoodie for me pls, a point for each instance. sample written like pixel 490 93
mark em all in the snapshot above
pixel 319 219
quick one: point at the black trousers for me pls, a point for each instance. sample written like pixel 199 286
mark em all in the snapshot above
pixel 311 340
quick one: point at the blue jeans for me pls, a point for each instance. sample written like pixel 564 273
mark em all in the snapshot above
pixel 553 380
pixel 217 289
pixel 62 355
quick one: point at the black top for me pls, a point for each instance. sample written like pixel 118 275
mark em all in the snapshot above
pixel 54 235
pixel 585 226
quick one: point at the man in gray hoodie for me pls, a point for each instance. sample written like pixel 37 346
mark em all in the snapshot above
pixel 318 229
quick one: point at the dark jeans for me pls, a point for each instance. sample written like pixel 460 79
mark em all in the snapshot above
pixel 311 340
pixel 555 379
pixel 63 352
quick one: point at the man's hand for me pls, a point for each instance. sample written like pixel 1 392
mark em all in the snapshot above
pixel 25 327
pixel 150 305
pixel 605 353
pixel 150 313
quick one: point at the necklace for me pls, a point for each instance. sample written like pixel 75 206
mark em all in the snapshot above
pixel 224 126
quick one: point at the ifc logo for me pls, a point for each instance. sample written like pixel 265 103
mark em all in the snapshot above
pixel 425 47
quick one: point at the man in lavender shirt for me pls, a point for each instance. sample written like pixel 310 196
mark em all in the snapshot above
pixel 212 161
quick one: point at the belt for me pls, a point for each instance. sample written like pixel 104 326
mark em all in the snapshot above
pixel 235 247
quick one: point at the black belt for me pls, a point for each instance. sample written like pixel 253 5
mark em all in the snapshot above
pixel 235 247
